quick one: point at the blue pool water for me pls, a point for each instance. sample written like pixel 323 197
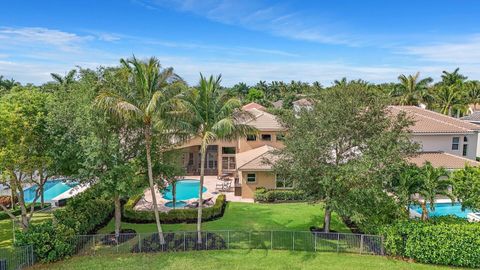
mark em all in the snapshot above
pixel 444 209
pixel 186 190
pixel 51 189
pixel 179 204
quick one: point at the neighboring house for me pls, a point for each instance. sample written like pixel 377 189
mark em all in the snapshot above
pixel 302 104
pixel 474 118
pixel 240 157
pixel 445 141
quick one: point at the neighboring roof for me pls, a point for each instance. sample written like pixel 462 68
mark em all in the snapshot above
pixel 278 104
pixel 256 159
pixel 427 121
pixel 302 102
pixel 442 159
pixel 264 121
pixel 253 105
pixel 474 117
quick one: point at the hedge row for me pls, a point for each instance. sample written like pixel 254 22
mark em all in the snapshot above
pixel 83 214
pixel 264 195
pixel 173 216
pixel 18 211
pixel 436 242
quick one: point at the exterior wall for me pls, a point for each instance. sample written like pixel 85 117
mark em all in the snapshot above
pixel 244 145
pixel 444 143
pixel 264 179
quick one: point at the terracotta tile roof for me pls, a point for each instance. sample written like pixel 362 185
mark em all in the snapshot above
pixel 303 102
pixel 427 121
pixel 255 159
pixel 278 104
pixel 474 117
pixel 442 159
pixel 264 121
pixel 253 105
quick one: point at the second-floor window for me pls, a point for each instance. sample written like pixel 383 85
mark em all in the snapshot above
pixel 266 137
pixel 251 138
pixel 455 143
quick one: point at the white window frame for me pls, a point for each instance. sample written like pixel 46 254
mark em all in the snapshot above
pixel 284 187
pixel 251 182
pixel 455 143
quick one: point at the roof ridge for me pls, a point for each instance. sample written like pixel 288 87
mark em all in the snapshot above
pixel 440 121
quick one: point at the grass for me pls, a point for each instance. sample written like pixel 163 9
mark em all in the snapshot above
pixel 6 236
pixel 252 216
pixel 235 259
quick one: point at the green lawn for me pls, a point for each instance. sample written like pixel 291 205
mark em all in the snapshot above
pixel 235 259
pixel 253 216
pixel 6 236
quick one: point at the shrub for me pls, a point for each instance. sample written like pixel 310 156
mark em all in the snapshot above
pixel 264 195
pixel 173 216
pixel 50 241
pixel 17 211
pixel 448 241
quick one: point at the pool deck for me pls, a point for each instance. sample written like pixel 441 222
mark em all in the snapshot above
pixel 145 204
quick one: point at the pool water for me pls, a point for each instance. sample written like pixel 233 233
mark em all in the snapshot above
pixel 51 189
pixel 179 204
pixel 186 190
pixel 444 209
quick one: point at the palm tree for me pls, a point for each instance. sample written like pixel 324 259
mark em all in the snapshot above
pixel 434 182
pixel 406 184
pixel 64 80
pixel 473 92
pixel 214 116
pixel 411 90
pixel 146 102
pixel 448 98
pixel 450 78
pixel 342 82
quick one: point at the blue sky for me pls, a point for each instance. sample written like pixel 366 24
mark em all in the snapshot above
pixel 244 40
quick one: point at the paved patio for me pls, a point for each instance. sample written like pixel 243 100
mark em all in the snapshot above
pixel 145 204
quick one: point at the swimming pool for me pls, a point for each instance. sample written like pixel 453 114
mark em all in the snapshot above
pixel 178 204
pixel 51 189
pixel 185 190
pixel 444 209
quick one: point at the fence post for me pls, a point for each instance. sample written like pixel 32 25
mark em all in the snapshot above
pixel 116 239
pixel 94 245
pixel 228 239
pixel 361 244
pixel 382 251
pixel 184 241
pixel 315 235
pixel 293 240
pixel 139 243
pixel 206 240
pixel 338 241
pixel 271 239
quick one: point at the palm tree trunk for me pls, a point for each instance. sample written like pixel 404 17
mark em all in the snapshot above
pixel 424 210
pixel 327 218
pixel 118 215
pixel 148 142
pixel 200 193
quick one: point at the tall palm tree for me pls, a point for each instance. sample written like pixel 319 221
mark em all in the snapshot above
pixel 64 80
pixel 450 78
pixel 448 98
pixel 411 90
pixel 146 102
pixel 406 184
pixel 434 182
pixel 214 116
pixel 473 93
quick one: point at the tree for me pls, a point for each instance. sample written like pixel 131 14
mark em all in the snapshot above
pixel 346 146
pixel 23 143
pixel 214 116
pixel 411 90
pixel 451 78
pixel 466 187
pixel 64 80
pixel 255 95
pixel 448 98
pixel 473 92
pixel 406 184
pixel 146 101
pixel 434 181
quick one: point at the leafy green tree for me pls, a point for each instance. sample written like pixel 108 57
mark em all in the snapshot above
pixel 346 146
pixel 466 185
pixel 255 95
pixel 411 90
pixel 147 101
pixel 6 85
pixel 214 116
pixel 434 181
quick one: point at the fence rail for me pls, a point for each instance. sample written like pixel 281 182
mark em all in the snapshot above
pixel 223 240
pixel 16 258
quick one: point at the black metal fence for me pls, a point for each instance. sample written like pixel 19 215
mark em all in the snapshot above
pixel 223 240
pixel 16 258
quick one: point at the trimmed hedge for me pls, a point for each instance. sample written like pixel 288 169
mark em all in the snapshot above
pixel 277 195
pixel 440 241
pixel 83 214
pixel 18 211
pixel 173 216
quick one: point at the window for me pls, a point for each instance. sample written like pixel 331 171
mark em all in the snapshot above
pixel 455 143
pixel 282 182
pixel 280 137
pixel 465 150
pixel 228 150
pixel 465 139
pixel 228 163
pixel 190 159
pixel 266 137
pixel 251 137
pixel 251 178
